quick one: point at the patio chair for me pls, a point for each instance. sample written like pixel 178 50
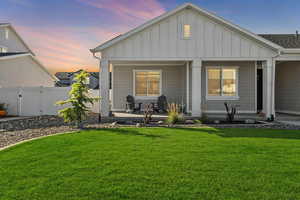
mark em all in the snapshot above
pixel 162 105
pixel 131 106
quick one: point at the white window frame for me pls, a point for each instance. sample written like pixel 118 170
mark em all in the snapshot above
pixel 160 84
pixel 6 33
pixel 221 97
pixel 191 32
pixel 3 47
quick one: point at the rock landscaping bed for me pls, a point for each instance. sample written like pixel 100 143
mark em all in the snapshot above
pixel 15 131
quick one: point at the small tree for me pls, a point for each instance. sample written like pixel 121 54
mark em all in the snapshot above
pixel 78 99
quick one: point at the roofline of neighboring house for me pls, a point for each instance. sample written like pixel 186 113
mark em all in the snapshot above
pixel 34 59
pixel 18 35
pixel 172 12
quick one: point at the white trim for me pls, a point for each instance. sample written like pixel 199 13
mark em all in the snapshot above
pixel 112 85
pixel 180 59
pixel 288 58
pixel 222 97
pixel 118 110
pixel 224 112
pixel 187 85
pixel 291 51
pixel 178 9
pixel 6 30
pixel 288 112
pixel 160 83
pixel 255 73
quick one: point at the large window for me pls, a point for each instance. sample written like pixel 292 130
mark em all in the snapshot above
pixel 222 82
pixel 147 83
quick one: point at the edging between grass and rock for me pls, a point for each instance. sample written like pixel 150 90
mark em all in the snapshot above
pixel 32 139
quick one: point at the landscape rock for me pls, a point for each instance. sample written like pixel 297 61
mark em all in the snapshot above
pixel 189 121
pixel 217 122
pixel 249 121
pixel 160 122
pixel 138 125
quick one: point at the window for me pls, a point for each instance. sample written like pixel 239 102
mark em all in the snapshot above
pixel 6 32
pixel 3 49
pixel 222 83
pixel 187 31
pixel 147 83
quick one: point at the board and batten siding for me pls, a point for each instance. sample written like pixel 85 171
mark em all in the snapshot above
pixel 12 43
pixel 173 84
pixel 246 87
pixel 287 87
pixel 209 39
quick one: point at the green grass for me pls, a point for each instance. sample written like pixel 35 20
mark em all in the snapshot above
pixel 155 163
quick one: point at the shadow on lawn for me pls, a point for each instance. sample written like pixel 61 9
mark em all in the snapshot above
pixel 247 133
pixel 135 132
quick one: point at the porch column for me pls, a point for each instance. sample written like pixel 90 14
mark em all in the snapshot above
pixel 104 88
pixel 268 97
pixel 196 88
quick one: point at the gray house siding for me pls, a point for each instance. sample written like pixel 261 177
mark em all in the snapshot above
pixel 173 84
pixel 287 87
pixel 246 87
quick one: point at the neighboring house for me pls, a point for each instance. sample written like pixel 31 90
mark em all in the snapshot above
pixel 65 79
pixel 195 57
pixel 18 65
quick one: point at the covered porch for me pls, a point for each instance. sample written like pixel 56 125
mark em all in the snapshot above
pixel 186 82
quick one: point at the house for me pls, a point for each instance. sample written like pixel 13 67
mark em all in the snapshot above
pixel 196 57
pixel 18 65
pixel 65 79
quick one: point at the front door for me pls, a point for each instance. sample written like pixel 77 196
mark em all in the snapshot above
pixel 259 90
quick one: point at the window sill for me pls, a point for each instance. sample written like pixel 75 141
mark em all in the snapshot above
pixel 222 98
pixel 146 97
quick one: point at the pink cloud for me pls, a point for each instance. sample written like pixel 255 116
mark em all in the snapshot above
pixel 63 48
pixel 129 9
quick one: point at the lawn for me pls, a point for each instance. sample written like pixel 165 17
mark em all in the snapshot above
pixel 155 163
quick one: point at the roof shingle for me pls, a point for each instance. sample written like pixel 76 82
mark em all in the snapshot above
pixel 289 41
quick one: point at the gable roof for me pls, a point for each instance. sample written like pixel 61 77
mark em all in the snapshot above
pixel 17 34
pixel 178 9
pixel 289 41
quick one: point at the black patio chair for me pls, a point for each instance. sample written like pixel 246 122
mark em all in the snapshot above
pixel 131 105
pixel 162 104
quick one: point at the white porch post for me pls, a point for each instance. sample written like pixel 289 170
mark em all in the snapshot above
pixel 104 88
pixel 196 88
pixel 268 97
pixel 187 86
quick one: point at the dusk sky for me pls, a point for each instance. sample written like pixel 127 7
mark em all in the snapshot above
pixel 61 32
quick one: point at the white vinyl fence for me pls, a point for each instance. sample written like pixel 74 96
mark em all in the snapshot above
pixel 35 101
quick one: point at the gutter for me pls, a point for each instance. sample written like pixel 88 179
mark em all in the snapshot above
pixel 291 51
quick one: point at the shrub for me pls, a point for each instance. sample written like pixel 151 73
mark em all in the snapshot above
pixel 173 114
pixel 231 111
pixel 78 99
pixel 148 114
